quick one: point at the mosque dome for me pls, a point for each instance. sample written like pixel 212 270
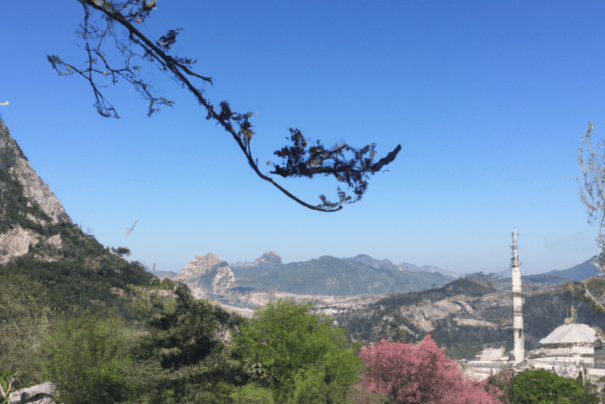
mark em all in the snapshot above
pixel 573 334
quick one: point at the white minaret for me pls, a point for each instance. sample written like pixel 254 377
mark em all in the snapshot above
pixel 517 304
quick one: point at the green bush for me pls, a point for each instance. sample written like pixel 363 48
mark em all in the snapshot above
pixel 87 360
pixel 540 386
pixel 252 394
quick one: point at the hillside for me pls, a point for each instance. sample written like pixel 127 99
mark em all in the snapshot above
pixel 466 317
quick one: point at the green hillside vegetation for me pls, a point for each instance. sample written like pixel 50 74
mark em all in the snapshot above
pixel 596 287
pixel 168 346
pixel 91 323
pixel 124 338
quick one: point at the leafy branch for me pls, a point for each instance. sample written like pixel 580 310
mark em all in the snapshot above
pixel 297 163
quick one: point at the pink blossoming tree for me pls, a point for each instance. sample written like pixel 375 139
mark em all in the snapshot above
pixel 420 373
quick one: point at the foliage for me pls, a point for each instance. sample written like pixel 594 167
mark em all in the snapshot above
pixel 353 171
pixel 420 373
pixel 596 286
pixel 6 379
pixel 25 322
pixel 34 294
pixel 14 205
pixel 183 334
pixel 597 180
pixel 458 348
pixel 192 363
pixel 503 381
pixel 300 360
pixel 88 361
pixel 540 386
pixel 578 291
pixel 252 394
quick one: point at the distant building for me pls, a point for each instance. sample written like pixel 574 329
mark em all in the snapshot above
pixel 571 344
pixel 568 350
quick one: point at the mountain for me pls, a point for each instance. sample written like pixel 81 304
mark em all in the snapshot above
pixel 162 275
pixel 323 280
pixel 240 264
pixel 468 315
pixel 580 272
pixel 428 268
pixel 371 262
pixel 387 264
pixel 49 268
pixel 207 275
pixel 27 205
pixel 267 260
pixel 505 273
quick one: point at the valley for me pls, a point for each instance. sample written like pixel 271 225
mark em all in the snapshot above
pixel 465 315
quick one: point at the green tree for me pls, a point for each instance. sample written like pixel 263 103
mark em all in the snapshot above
pixel 184 333
pixel 540 386
pixel 25 321
pixel 193 364
pixel 353 172
pixel 305 362
pixel 88 360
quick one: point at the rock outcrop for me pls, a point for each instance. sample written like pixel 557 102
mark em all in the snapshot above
pixel 198 266
pixel 207 275
pixel 268 259
pixel 35 190
pixel 29 202
pixel 41 390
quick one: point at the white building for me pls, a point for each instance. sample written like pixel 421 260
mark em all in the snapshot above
pixel 568 350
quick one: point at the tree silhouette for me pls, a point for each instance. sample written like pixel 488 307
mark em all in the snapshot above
pixel 597 181
pixel 297 164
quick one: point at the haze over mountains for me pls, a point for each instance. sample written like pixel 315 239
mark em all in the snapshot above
pixel 271 259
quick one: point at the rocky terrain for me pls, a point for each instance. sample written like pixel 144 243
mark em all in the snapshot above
pixel 22 191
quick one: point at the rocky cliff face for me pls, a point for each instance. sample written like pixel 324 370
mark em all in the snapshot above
pixel 26 204
pixel 198 266
pixel 34 189
pixel 207 275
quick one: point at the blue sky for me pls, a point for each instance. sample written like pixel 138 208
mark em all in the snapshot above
pixel 489 101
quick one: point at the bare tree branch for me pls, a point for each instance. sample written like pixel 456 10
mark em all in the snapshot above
pixel 130 229
pixel 127 13
pixel 597 180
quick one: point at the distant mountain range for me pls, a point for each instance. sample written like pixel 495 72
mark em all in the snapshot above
pixel 270 259
pixel 162 274
pixel 580 272
pixel 404 266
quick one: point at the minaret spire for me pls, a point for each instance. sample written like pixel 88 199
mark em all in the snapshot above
pixel 517 304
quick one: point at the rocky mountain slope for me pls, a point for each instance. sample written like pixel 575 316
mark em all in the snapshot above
pixel 26 205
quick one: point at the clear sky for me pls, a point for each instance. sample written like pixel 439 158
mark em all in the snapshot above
pixel 489 101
